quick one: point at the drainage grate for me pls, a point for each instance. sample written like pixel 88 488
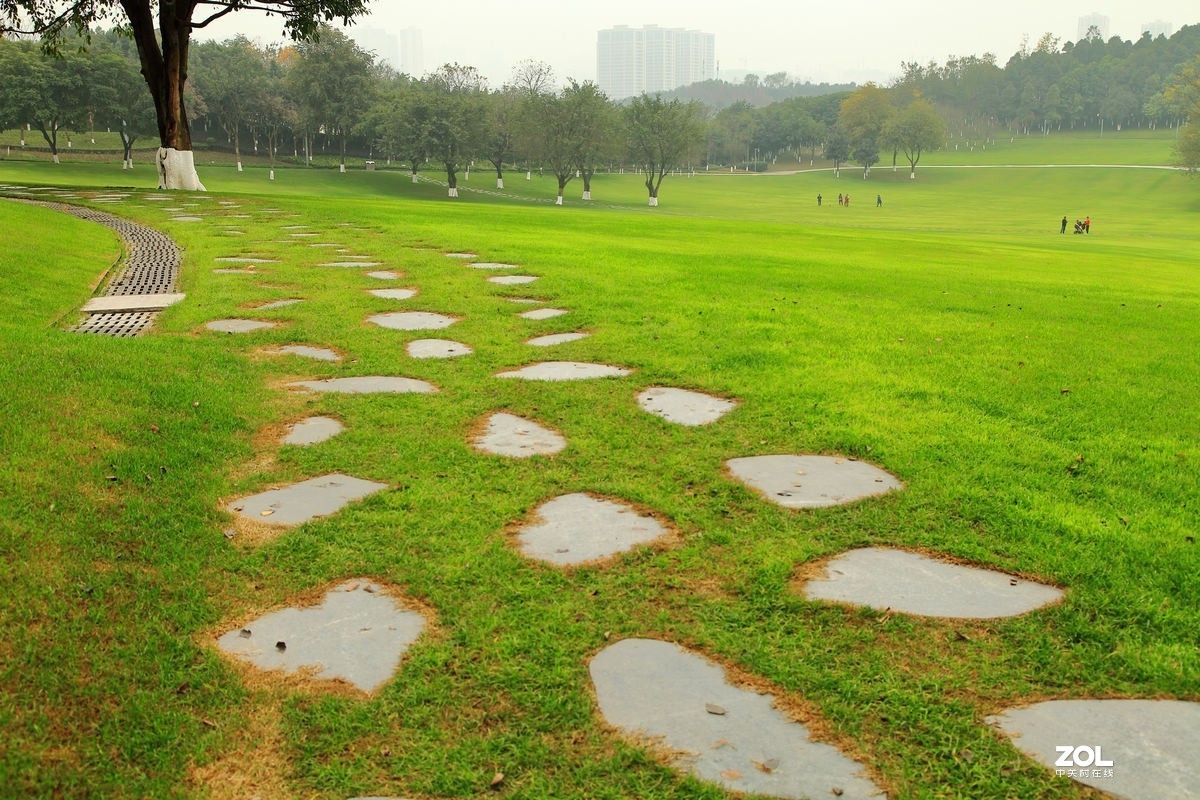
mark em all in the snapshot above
pixel 130 324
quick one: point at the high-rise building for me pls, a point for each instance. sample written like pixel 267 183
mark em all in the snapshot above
pixel 1158 28
pixel 412 56
pixel 379 42
pixel 630 61
pixel 1090 21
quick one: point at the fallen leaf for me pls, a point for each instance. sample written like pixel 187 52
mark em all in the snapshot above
pixel 497 779
pixel 208 723
pixel 266 512
pixel 719 743
pixel 731 774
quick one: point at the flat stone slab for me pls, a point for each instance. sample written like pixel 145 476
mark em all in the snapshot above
pixel 384 275
pixel 306 351
pixel 462 255
pixel 516 437
pixel 491 265
pixel 238 325
pixel 1151 744
pixel 437 348
pixel 412 320
pixel 551 339
pixel 524 300
pixel 812 481
pixel 911 583
pixel 358 634
pixel 684 407
pixel 564 371
pixel 246 260
pixel 368 384
pixel 577 528
pixel 350 264
pixel 721 733
pixel 235 271
pixel 543 313
pixel 394 294
pixel 116 304
pixel 279 304
pixel 300 502
pixel 313 430
pixel 511 280
pixel 186 219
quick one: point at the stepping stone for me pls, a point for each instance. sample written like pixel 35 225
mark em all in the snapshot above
pixel 543 313
pixel 350 264
pixel 437 348
pixel 491 265
pixel 235 271
pixel 123 304
pixel 412 320
pixel 238 325
pixel 295 227
pixel 551 339
pixel 300 502
pixel 234 233
pixel 524 300
pixel 278 304
pixel 577 528
pixel 368 384
pixel 565 371
pixel 516 437
pixel 304 351
pixel 384 275
pixel 246 260
pixel 896 580
pixel 1151 744
pixel 812 481
pixel 322 244
pixel 313 430
pixel 684 407
pixel 511 280
pixel 358 634
pixel 186 219
pixel 721 733
pixel 394 294
pixel 454 255
pixel 299 235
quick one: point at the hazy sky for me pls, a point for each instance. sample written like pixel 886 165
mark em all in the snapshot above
pixel 818 41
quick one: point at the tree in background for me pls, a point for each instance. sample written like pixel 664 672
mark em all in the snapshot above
pixel 333 81
pixel 455 127
pixel 598 125
pixel 661 135
pixel 162 30
pixel 504 119
pixel 837 149
pixel 1182 95
pixel 233 78
pixel 46 92
pixel 917 129
pixel 863 116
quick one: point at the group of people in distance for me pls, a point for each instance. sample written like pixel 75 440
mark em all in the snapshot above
pixel 1081 225
pixel 844 199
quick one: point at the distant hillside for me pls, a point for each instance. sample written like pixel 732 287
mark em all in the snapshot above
pixel 753 91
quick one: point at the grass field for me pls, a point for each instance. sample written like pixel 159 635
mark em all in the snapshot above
pixel 1035 392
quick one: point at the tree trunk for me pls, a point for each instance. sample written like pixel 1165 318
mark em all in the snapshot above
pixel 452 178
pixel 587 182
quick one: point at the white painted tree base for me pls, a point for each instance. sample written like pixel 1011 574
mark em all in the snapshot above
pixel 239 166
pixel 499 183
pixel 272 176
pixel 342 168
pixel 56 161
pixel 453 192
pixel 414 177
pixel 558 200
pixel 177 170
pixel 654 202
pixel 528 175
pixel 587 195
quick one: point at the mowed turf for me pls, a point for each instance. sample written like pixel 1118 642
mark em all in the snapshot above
pixel 1034 391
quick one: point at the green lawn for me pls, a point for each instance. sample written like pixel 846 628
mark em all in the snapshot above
pixel 1035 392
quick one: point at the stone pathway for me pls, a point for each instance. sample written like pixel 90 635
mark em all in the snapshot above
pixel 509 435
pixel 313 430
pixel 812 481
pixel 564 371
pixel 306 500
pixel 412 320
pixel 684 407
pixel 578 528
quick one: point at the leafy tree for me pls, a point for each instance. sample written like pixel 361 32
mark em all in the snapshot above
pixel 863 116
pixel 162 30
pixel 333 83
pixel 45 92
pixel 233 79
pixel 504 118
pixel 1183 95
pixel 837 149
pixel 597 125
pixel 917 129
pixel 456 118
pixel 660 135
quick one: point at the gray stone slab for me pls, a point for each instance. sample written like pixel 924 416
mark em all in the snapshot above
pixel 384 275
pixel 437 348
pixel 564 371
pixel 394 294
pixel 306 351
pixel 511 280
pixel 516 437
pixel 886 578
pixel 368 384
pixel 115 304
pixel 461 255
pixel 551 339
pixel 350 264
pixel 412 320
pixel 238 325
pixel 186 219
pixel 577 528
pixel 358 634
pixel 300 502
pixel 543 313
pixel 802 481
pixel 1152 744
pixel 491 265
pixel 246 260
pixel 524 300
pixel 279 304
pixel 719 732
pixel 684 407
pixel 236 271
pixel 313 430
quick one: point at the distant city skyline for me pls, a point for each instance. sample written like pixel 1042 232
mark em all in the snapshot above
pixel 819 44
pixel 651 59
